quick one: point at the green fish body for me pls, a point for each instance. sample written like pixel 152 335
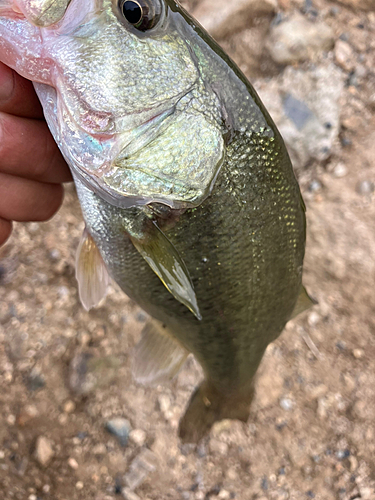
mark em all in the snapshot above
pixel 195 211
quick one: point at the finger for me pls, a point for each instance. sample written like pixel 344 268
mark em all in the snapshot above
pixel 27 200
pixel 28 150
pixel 5 230
pixel 17 95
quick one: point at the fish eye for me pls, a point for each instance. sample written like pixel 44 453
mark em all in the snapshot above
pixel 142 14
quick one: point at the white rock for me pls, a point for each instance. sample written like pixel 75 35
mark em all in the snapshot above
pixel 138 437
pixel 43 451
pixel 344 55
pixel 73 464
pixel 296 39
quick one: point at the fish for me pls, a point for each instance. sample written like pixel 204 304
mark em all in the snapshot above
pixel 187 191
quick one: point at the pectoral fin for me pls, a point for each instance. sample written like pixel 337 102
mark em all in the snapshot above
pixel 165 261
pixel 304 302
pixel 91 272
pixel 157 357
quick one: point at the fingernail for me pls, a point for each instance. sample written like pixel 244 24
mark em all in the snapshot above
pixel 6 82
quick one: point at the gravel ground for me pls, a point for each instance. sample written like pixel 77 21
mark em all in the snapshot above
pixel 73 424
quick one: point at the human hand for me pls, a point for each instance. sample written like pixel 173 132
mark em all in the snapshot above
pixel 31 165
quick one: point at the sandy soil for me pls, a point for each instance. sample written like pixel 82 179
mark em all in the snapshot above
pixel 64 373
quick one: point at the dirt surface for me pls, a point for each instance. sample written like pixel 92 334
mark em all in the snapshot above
pixel 65 373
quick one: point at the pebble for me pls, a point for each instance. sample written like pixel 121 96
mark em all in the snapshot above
pixel 79 485
pixel 99 449
pixel 143 464
pixel 138 437
pixel 344 55
pixel 120 428
pixel 296 39
pixel 164 403
pixel 221 18
pixel 224 495
pixel 32 497
pixel 73 464
pixel 69 406
pixel 340 170
pixel 43 452
pixel 365 187
pixel 219 447
pixel 87 372
pixel 27 413
pixel 358 353
pixel 128 494
pixel 286 404
pixel 2 454
pixel 11 419
pixel 35 380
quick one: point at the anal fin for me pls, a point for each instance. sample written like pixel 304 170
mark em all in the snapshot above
pixel 157 356
pixel 91 272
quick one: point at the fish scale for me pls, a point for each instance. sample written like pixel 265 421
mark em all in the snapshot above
pixel 185 185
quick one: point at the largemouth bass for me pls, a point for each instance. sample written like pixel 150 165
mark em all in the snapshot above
pixel 185 184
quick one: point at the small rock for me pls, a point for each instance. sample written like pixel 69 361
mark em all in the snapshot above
pixel 353 463
pixel 138 437
pixel 296 39
pixel 365 187
pixel 144 464
pixel 2 454
pixel 219 447
pixel 87 372
pixel 128 494
pixel 318 391
pixel 224 495
pixel 119 427
pixel 43 452
pixel 358 353
pixel 340 170
pixel 11 419
pixel 286 404
pixel 344 56
pixel 79 485
pixel 28 413
pixel 315 186
pixel 367 493
pixel 69 406
pixel 99 449
pixel 32 497
pixel 221 18
pixel 73 464
pixel 35 380
pixel 361 410
pixel 164 403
